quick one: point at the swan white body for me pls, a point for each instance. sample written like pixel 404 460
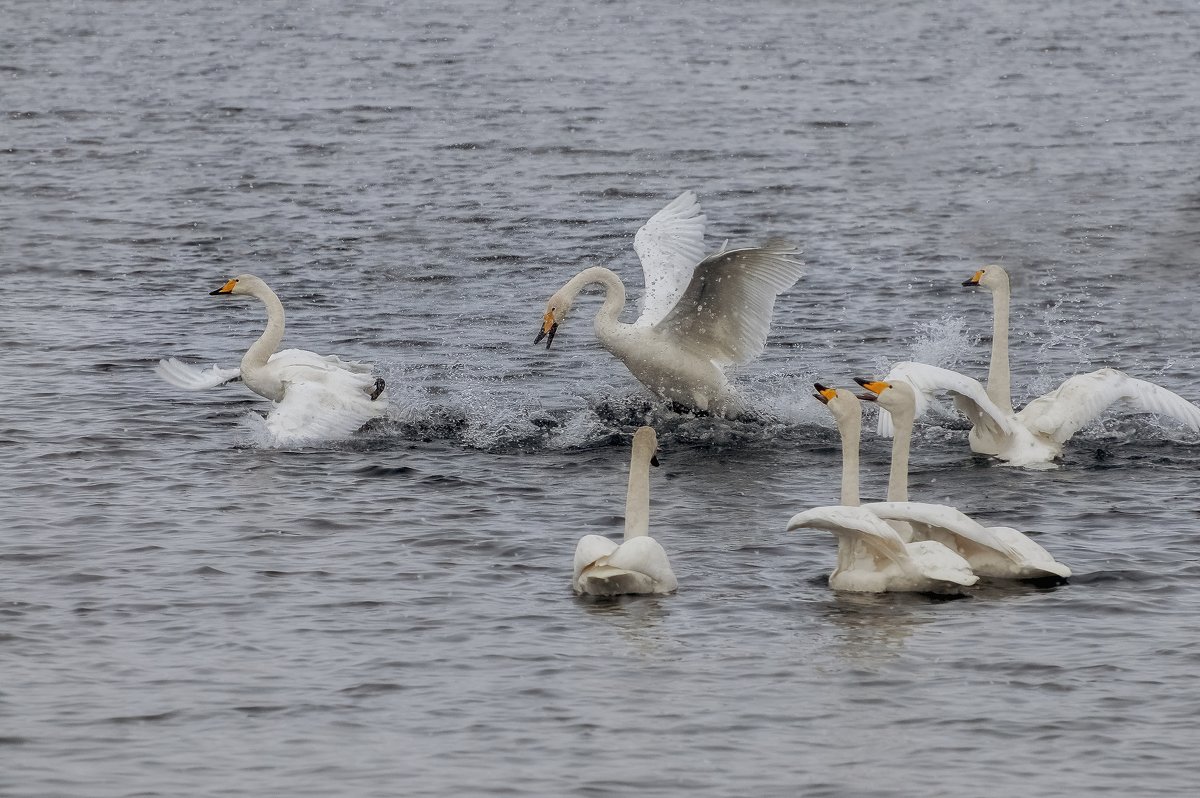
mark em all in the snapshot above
pixel 638 564
pixel 317 397
pixel 872 557
pixel 1036 435
pixel 995 552
pixel 699 314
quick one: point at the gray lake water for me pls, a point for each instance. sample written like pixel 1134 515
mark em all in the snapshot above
pixel 183 612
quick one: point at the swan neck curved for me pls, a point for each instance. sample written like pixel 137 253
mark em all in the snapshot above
pixel 902 421
pixel 998 382
pixel 267 344
pixel 850 429
pixel 637 498
pixel 614 294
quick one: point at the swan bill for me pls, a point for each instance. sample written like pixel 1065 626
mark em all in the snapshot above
pixel 876 387
pixel 823 394
pixel 225 289
pixel 549 328
pixel 974 281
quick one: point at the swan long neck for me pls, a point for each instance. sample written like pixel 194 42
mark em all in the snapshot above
pixel 614 294
pixel 637 498
pixel 998 381
pixel 267 344
pixel 850 428
pixel 902 421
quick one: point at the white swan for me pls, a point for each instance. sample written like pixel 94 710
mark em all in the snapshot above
pixel 318 397
pixel 639 564
pixel 872 557
pixel 699 314
pixel 1034 436
pixel 996 552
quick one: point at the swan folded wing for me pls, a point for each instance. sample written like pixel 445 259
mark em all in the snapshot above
pixel 645 555
pixel 725 313
pixel 950 521
pixel 190 378
pixel 588 551
pixel 970 397
pixel 669 246
pixel 311 412
pixel 864 525
pixel 1084 397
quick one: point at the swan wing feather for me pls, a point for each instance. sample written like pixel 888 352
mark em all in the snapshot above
pixel 1084 397
pixel 590 550
pixel 304 358
pixel 862 524
pixel 927 381
pixel 313 411
pixel 190 378
pixel 725 313
pixel 669 246
pixel 645 555
pixel 948 519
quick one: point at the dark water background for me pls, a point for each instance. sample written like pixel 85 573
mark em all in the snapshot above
pixel 184 613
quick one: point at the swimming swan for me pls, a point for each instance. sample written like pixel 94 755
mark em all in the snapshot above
pixel 639 564
pixel 699 314
pixel 872 557
pixel 1034 436
pixel 318 397
pixel 997 552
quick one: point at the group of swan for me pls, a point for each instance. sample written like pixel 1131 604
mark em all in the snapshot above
pixel 700 315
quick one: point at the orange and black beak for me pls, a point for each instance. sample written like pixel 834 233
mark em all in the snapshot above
pixel 874 388
pixel 549 328
pixel 654 459
pixel 974 281
pixel 823 394
pixel 225 289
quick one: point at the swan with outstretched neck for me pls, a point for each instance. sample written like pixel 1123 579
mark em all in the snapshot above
pixel 1034 436
pixel 639 564
pixel 996 552
pixel 699 314
pixel 317 397
pixel 871 556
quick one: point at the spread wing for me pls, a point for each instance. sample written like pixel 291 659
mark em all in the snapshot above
pixel 190 378
pixel 313 412
pixel 725 313
pixel 927 381
pixel 669 247
pixel 947 519
pixel 857 522
pixel 1084 397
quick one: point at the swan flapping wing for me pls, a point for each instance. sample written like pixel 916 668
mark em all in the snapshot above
pixel 314 411
pixel 190 378
pixel 1084 397
pixel 669 247
pixel 927 381
pixel 290 359
pixel 725 313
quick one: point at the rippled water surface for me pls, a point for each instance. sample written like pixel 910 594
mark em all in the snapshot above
pixel 183 612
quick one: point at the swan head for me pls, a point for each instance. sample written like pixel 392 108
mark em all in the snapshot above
pixel 894 397
pixel 989 277
pixel 556 313
pixel 842 404
pixel 242 284
pixel 645 442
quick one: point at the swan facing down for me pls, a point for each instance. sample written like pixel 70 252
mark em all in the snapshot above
pixel 699 314
pixel 317 397
pixel 1035 436
pixel 639 564
pixel 994 552
pixel 872 557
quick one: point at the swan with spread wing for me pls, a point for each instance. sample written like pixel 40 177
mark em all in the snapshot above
pixel 317 397
pixel 699 314
pixel 1034 436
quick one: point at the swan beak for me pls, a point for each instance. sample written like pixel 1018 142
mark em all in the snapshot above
pixel 654 460
pixel 974 281
pixel 875 387
pixel 225 289
pixel 823 394
pixel 549 328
